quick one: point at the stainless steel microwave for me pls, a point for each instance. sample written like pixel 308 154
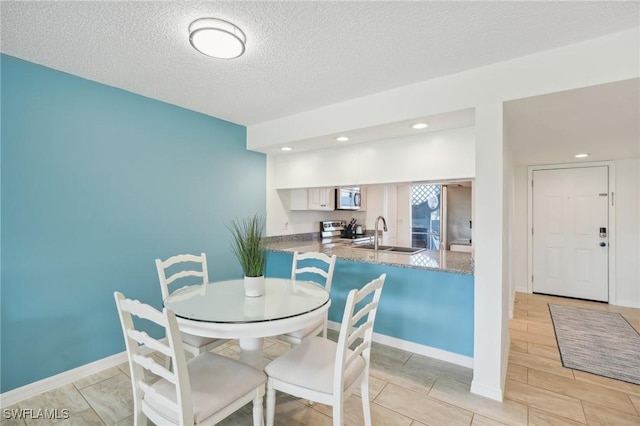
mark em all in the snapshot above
pixel 349 198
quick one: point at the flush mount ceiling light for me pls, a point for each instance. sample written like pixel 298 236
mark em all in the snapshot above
pixel 286 148
pixel 217 38
pixel 342 138
pixel 582 155
pixel 419 126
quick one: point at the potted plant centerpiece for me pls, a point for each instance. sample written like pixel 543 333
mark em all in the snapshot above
pixel 248 245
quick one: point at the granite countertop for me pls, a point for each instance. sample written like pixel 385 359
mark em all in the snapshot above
pixel 443 260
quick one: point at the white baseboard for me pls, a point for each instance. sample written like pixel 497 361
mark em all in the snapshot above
pixel 36 388
pixel 627 303
pixel 416 348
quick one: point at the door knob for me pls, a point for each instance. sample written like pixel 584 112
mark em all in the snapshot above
pixel 603 244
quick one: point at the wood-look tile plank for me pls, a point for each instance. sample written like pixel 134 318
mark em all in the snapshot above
pixel 518 324
pixel 629 388
pixel 543 329
pixel 479 420
pixel 375 387
pixel 552 402
pixel 542 418
pixel 581 390
pixel 519 314
pixel 519 346
pixel 539 339
pixel 635 400
pixel 352 413
pixel 598 415
pixel 534 310
pixel 539 314
pixel 517 372
pixel 290 411
pixel 422 386
pixel 508 412
pixel 540 363
pixel 422 408
pixel 544 351
pixel 439 369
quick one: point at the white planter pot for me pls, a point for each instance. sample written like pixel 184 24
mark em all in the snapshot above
pixel 253 286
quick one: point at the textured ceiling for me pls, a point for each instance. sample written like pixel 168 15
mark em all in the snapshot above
pixel 300 55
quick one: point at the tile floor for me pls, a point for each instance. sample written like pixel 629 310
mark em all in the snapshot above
pixel 412 390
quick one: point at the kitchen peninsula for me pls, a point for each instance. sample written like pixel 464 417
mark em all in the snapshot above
pixel 427 302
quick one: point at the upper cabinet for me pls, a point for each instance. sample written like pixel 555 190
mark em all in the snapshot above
pixel 426 157
pixel 323 168
pixel 313 199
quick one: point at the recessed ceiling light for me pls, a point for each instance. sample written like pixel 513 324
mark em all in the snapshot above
pixel 342 138
pixel 286 148
pixel 217 38
pixel 582 155
pixel 419 126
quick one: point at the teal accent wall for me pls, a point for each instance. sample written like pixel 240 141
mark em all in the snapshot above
pixel 431 308
pixel 96 183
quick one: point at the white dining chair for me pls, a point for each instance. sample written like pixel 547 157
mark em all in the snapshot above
pixel 322 273
pixel 195 345
pixel 324 371
pixel 203 391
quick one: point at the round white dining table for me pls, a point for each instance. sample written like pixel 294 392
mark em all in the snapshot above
pixel 221 310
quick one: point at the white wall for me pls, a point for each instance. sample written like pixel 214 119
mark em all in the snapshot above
pixel 520 258
pixel 627 199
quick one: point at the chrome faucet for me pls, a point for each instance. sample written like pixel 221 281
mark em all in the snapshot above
pixel 375 235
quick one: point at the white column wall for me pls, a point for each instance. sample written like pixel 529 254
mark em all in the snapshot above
pixel 627 201
pixel 490 325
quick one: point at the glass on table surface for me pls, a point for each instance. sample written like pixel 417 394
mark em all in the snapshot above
pixel 225 302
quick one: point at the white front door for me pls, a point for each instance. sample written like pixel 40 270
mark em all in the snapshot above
pixel 570 255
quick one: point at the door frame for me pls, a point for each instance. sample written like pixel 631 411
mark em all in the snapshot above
pixel 611 212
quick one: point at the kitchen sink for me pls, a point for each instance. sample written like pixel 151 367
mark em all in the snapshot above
pixel 390 249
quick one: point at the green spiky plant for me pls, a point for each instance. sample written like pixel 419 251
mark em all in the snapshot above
pixel 248 244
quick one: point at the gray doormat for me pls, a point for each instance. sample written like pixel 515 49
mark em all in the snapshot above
pixel 597 342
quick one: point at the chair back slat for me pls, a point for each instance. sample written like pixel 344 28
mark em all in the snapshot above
pixel 143 311
pixel 184 274
pixel 144 339
pixel 190 271
pixel 358 332
pixel 362 312
pixel 348 334
pixel 312 270
pixel 150 364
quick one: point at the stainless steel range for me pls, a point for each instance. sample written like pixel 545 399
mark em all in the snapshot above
pixel 334 231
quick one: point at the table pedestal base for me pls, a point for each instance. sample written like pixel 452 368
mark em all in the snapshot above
pixel 251 351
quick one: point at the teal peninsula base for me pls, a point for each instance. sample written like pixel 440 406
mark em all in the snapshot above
pixel 425 307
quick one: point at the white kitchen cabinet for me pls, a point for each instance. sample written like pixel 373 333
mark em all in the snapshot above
pixel 312 199
pixel 424 157
pixel 317 169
